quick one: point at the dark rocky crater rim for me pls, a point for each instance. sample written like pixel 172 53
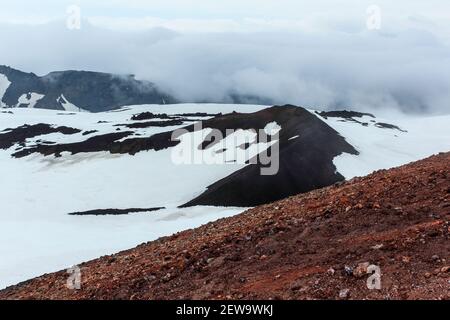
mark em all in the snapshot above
pixel 305 163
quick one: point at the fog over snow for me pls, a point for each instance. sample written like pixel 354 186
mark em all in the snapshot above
pixel 320 55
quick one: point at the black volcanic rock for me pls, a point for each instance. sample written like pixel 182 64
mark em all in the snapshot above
pixel 10 137
pixel 388 126
pixel 306 162
pixel 198 114
pixel 98 143
pixel 344 114
pixel 149 115
pixel 91 91
pixel 109 142
pixel 148 124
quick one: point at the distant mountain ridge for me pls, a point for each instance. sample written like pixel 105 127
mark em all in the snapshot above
pixel 76 90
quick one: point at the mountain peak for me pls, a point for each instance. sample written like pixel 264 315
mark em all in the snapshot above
pixel 87 90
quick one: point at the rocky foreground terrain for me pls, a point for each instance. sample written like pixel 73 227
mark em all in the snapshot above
pixel 311 246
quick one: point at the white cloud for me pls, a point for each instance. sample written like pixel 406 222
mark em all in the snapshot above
pixel 318 55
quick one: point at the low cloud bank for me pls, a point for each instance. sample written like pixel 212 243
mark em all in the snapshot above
pixel 407 70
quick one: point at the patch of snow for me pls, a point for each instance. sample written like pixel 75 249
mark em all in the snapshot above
pixel 293 138
pixel 30 99
pixel 228 150
pixel 68 106
pixel 272 128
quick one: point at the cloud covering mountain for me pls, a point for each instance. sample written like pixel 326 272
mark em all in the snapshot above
pixel 321 59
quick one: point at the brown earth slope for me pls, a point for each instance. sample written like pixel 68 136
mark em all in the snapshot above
pixel 305 247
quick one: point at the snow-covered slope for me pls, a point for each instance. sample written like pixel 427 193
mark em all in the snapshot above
pixel 37 234
pixel 71 90
pixel 382 148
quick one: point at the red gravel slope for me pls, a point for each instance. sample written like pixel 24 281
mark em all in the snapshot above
pixel 305 247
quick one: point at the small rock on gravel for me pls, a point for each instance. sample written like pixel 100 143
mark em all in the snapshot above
pixel 348 270
pixel 344 294
pixel 361 269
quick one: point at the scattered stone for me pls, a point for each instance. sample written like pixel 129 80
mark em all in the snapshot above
pixel 167 277
pixel 344 294
pixel 406 259
pixel 445 269
pixel 433 233
pixel 296 286
pixel 348 270
pixel 361 269
pixel 111 260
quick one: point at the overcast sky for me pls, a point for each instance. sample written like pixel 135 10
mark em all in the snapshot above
pixel 316 53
